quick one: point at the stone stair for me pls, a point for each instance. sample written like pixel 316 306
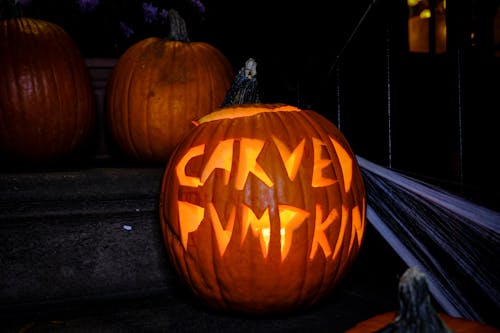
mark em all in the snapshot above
pixel 81 251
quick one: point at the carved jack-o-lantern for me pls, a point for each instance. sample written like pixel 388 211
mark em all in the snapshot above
pixel 263 208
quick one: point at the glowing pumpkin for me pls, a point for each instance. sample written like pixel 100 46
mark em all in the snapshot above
pixel 263 208
pixel 159 86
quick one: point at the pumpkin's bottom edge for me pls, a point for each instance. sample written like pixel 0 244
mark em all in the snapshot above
pixel 457 325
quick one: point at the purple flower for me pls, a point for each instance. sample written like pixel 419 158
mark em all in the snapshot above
pixel 128 31
pixel 87 6
pixel 150 12
pixel 163 14
pixel 198 6
pixel 24 3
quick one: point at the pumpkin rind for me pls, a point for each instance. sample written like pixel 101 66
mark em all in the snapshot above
pixel 294 272
pixel 416 313
pixel 158 88
pixel 458 325
pixel 46 100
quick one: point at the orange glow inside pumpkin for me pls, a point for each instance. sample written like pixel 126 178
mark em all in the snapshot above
pixel 291 218
pixel 221 158
pixel 290 159
pixel 190 216
pixel 261 227
pixel 223 235
pixel 319 164
pixel 249 151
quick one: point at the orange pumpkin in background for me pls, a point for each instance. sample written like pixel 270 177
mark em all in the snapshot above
pixel 159 86
pixel 46 98
pixel 416 313
pixel 457 325
pixel 262 208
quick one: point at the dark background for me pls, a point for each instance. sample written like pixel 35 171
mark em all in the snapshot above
pixel 427 114
pixel 295 43
pixel 432 116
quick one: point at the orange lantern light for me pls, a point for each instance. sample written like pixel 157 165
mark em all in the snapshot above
pixel 263 208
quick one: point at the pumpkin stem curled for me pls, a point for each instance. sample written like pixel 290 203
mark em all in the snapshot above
pixel 178 30
pixel 244 89
pixel 416 314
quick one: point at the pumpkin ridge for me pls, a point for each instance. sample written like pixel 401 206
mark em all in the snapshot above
pixel 192 276
pixel 124 82
pixel 128 121
pixel 225 298
pixel 4 131
pixel 318 131
pixel 40 80
pixel 210 282
pixel 209 79
pixel 212 68
pixel 14 88
pixel 287 127
pixel 50 82
pixel 195 93
pixel 60 90
pixel 57 112
pixel 18 102
pixel 148 144
pixel 144 138
pixel 191 281
pixel 222 297
pixel 303 292
pixel 205 76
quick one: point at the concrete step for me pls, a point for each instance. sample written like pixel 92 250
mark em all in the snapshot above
pixel 90 234
pixel 82 251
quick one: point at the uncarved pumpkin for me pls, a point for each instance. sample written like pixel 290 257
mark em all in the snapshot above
pixel 457 325
pixel 159 86
pixel 46 98
pixel 263 208
pixel 416 313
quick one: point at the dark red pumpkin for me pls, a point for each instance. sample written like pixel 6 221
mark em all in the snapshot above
pixel 46 98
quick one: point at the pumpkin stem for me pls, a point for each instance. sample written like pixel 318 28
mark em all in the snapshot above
pixel 178 30
pixel 10 9
pixel 416 314
pixel 244 89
